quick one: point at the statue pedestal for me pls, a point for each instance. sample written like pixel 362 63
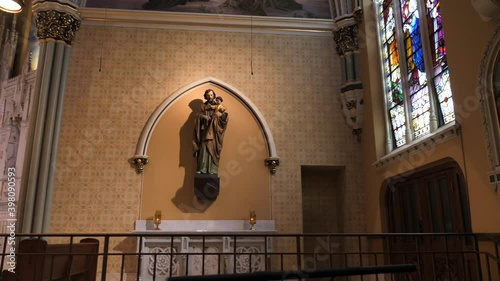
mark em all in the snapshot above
pixel 206 187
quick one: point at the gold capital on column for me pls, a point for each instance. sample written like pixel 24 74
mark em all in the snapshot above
pixel 56 21
pixel 346 38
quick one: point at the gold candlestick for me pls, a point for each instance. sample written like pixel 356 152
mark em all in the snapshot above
pixel 253 220
pixel 157 219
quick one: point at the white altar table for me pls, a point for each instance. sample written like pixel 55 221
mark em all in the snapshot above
pixel 180 241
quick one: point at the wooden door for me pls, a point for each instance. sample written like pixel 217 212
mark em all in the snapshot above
pixel 432 201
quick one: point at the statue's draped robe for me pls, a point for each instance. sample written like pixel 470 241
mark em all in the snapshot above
pixel 208 139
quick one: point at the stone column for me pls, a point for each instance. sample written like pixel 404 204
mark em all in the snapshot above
pixel 57 23
pixel 347 16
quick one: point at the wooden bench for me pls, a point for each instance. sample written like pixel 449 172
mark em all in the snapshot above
pixel 39 261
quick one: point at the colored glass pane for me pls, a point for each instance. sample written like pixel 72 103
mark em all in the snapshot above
pixel 413 44
pixel 392 72
pixel 393 87
pixel 397 115
pixel 436 33
pixel 420 112
pixel 441 72
pixel 443 90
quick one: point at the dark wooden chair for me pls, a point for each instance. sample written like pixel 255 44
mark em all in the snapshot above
pixel 39 261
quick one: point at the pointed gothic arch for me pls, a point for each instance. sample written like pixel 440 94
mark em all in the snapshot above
pixel 140 159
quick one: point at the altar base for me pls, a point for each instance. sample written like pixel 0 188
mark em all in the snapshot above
pixel 203 247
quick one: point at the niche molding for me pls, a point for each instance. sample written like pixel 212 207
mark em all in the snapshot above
pixel 140 159
pixel 490 105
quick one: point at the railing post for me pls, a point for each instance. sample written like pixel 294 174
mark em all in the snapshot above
pixel 330 255
pixel 3 250
pixel 122 268
pixel 105 258
pixel 154 265
pixel 266 256
pixel 463 241
pixel 478 257
pixel 234 258
pixel 187 253
pixel 299 260
pixel 171 256
pixel 139 258
pixel 497 256
pixel 445 238
pixel 418 257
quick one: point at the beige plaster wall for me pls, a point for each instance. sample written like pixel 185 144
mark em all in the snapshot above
pixel 119 75
pixel 466 39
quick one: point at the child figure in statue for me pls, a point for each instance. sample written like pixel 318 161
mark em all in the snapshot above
pixel 219 107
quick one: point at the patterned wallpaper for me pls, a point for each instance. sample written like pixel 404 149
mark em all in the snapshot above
pixel 118 76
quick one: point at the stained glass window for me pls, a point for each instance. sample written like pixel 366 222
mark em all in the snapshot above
pixel 420 87
pixel 392 71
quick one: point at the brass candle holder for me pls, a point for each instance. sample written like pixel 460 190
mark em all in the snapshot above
pixel 253 220
pixel 157 219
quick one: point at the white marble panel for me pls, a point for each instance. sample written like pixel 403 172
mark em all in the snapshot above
pixel 212 226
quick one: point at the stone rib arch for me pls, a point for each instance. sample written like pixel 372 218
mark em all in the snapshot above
pixel 485 89
pixel 140 158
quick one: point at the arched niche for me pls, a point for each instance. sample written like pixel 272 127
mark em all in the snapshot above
pixel 489 91
pixel 165 145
